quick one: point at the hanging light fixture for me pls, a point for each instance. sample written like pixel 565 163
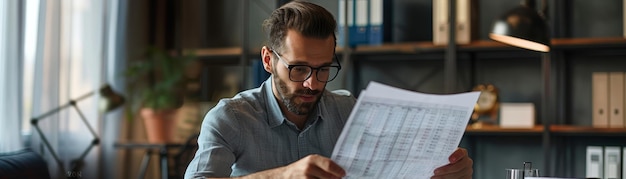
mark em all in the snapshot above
pixel 523 27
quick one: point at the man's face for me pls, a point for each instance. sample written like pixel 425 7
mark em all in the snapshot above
pixel 300 97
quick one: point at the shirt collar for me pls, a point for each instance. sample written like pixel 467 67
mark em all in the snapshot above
pixel 275 117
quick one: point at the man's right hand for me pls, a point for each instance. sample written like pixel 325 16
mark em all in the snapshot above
pixel 312 166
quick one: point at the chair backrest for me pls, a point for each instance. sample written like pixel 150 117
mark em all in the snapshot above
pixel 185 155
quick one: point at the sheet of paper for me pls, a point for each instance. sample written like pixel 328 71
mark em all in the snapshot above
pixel 395 133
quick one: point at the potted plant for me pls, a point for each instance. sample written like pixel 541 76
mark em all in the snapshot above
pixel 156 91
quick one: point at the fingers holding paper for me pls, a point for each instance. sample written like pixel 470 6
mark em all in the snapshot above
pixel 460 166
pixel 314 166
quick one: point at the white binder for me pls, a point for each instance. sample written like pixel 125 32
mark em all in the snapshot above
pixel 594 163
pixel 612 168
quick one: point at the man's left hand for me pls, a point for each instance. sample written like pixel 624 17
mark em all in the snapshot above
pixel 460 166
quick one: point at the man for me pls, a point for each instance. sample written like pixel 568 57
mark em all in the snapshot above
pixel 287 127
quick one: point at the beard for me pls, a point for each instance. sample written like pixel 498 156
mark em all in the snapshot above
pixel 289 99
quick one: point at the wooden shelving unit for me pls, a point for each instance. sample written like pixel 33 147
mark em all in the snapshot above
pixel 406 56
pixel 550 136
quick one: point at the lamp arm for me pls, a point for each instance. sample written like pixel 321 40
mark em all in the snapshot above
pixel 54 111
pixel 47 144
pixel 78 163
pixel 84 119
pixel 34 121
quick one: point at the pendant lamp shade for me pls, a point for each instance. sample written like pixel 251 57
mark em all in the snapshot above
pixel 522 27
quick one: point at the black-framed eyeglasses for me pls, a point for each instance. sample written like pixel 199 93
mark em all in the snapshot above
pixel 300 73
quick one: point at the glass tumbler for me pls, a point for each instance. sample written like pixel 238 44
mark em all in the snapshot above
pixel 514 173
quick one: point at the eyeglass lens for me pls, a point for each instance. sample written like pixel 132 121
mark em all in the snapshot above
pixel 323 74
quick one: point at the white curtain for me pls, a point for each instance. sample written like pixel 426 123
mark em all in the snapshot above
pixel 10 76
pixel 73 59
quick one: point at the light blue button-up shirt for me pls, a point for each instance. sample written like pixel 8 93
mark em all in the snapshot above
pixel 248 133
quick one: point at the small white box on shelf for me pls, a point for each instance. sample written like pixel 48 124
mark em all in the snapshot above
pixel 517 115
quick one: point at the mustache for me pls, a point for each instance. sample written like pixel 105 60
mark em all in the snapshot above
pixel 308 92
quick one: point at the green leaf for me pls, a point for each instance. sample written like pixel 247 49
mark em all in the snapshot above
pixel 156 80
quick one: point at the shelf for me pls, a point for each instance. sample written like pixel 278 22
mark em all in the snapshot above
pixel 224 56
pixel 561 130
pixel 427 46
pixel 217 52
pixel 588 43
pixel 222 52
pixel 490 129
pixel 486 45
pixel 560 43
pixel 408 48
pixel 567 130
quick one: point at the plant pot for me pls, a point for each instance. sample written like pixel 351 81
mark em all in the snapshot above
pixel 159 124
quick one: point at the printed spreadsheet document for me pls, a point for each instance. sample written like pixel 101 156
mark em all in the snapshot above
pixel 396 133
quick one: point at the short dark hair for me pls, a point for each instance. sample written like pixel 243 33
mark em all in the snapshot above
pixel 311 20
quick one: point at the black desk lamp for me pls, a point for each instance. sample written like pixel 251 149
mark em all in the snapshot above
pixel 111 101
pixel 523 27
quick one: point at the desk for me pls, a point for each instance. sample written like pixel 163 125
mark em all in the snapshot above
pixel 163 154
